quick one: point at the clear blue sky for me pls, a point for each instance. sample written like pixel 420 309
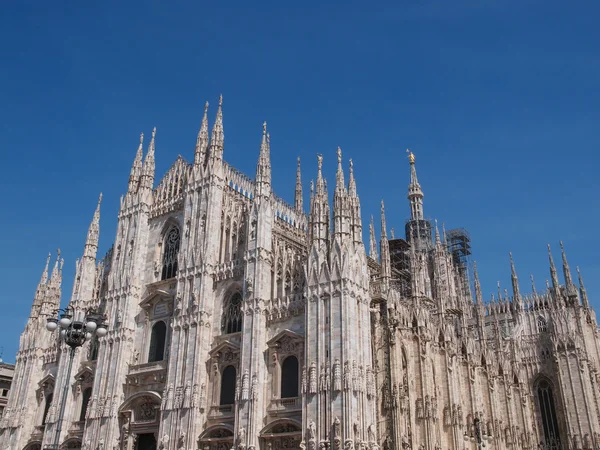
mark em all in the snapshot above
pixel 498 99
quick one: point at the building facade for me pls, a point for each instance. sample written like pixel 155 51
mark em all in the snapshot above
pixel 238 321
pixel 7 372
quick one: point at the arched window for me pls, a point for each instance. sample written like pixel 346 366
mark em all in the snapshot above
pixel 170 254
pixel 157 342
pixel 541 324
pixel 232 314
pixel 85 400
pixel 289 377
pixel 548 412
pixel 228 386
pixel 49 398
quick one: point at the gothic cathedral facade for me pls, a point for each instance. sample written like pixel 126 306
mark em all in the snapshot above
pixel 238 321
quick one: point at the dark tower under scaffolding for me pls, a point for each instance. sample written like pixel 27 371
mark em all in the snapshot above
pixel 458 242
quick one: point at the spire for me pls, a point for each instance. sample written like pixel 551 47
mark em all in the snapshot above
pixel 202 139
pixel 555 283
pixel 340 187
pixel 319 206
pixel 91 242
pixel 571 290
pixel 386 270
pixel 44 278
pixel 437 234
pixel 515 284
pixel 217 139
pixel 372 240
pixel 478 295
pixel 392 236
pixel 149 165
pixel 533 285
pixel 263 168
pixel 415 194
pixel 584 296
pixel 320 182
pixel 136 168
pixel 56 272
pixel 352 181
pixel 383 226
pixel 298 194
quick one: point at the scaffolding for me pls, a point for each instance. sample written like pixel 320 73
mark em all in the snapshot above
pixel 458 242
pixel 400 266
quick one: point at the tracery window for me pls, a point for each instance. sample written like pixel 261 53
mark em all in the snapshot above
pixel 227 396
pixel 170 254
pixel 289 377
pixel 541 325
pixel 157 342
pixel 232 314
pixel 548 413
pixel 87 394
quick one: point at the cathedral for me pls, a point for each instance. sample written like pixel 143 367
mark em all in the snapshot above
pixel 237 321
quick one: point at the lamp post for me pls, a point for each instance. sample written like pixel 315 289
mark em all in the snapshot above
pixel 74 333
pixel 480 436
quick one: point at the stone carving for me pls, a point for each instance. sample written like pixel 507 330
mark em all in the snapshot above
pixel 254 390
pixel 178 397
pixel 245 385
pixel 337 432
pixel 337 375
pixel 304 381
pixel 202 399
pixel 187 395
pixel 195 394
pixel 312 430
pixel 313 378
pixel 354 376
pixel 371 433
pixel 181 441
pixel 347 376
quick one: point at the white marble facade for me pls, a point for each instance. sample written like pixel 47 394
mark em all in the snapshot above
pixel 238 321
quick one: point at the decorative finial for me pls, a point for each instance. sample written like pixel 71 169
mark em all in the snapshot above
pixel 141 138
pixel 319 162
pixel 100 198
pixel 411 156
pixel 206 108
pixel 339 155
pixel 58 253
pixel 351 163
pixel 265 127
pixel 221 100
pixel 153 132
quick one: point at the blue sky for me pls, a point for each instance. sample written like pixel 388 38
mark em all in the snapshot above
pixel 499 100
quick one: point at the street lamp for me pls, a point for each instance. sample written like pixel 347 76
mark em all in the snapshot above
pixel 478 436
pixel 74 333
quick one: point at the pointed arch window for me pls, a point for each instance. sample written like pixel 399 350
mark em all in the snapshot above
pixel 228 386
pixel 541 325
pixel 172 242
pixel 49 398
pixel 289 377
pixel 85 400
pixel 157 342
pixel 548 413
pixel 232 314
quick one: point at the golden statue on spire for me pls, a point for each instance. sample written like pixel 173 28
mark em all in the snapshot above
pixel 411 156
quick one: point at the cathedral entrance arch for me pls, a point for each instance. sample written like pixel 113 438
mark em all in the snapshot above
pixel 282 434
pixel 217 437
pixel 139 419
